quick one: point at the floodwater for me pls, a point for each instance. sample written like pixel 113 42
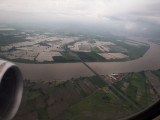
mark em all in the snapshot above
pixel 65 71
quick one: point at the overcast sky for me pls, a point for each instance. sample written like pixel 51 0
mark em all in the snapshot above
pixel 127 14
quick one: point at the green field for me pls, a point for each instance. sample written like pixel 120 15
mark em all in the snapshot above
pixel 133 52
pixel 66 57
pixel 157 73
pixel 9 39
pixel 90 57
pixel 135 87
pixel 101 105
pixel 85 98
pixel 39 97
pixel 44 44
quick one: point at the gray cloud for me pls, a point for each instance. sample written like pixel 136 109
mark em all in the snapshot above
pixel 115 18
pixel 125 14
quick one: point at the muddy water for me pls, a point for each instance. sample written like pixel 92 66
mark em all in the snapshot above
pixel 50 72
pixel 64 71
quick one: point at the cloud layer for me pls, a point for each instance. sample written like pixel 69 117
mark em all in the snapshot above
pixel 127 14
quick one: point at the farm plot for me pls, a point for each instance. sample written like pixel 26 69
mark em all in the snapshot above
pixel 154 80
pixel 113 55
pixel 47 56
pixel 50 100
pixel 135 87
pixel 20 54
pixel 101 105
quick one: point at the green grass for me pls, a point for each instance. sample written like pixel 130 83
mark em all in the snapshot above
pixel 98 106
pixel 52 89
pixel 34 94
pixel 44 44
pixel 90 56
pixel 96 49
pixel 157 73
pixel 29 84
pixel 20 60
pixel 97 81
pixel 117 48
pixel 133 52
pixel 9 39
pixel 57 86
pixel 65 58
pixel 132 92
pixel 83 93
pixel 42 114
pixel 137 89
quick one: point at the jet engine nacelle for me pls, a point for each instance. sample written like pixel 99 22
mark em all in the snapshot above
pixel 11 89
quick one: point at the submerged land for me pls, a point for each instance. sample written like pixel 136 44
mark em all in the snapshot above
pixel 61 47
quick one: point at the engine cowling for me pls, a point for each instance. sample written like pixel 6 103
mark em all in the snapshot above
pixel 11 89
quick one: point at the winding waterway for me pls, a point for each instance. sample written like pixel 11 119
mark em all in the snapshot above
pixel 65 71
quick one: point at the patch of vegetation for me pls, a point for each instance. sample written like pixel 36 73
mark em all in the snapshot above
pixel 118 60
pixel 44 44
pixel 117 48
pixel 12 49
pixel 56 86
pixel 20 60
pixel 84 98
pixel 157 73
pixel 97 81
pixel 52 89
pixel 90 57
pixel 42 114
pixel 66 57
pixel 133 52
pixel 137 88
pixel 39 96
pixel 9 39
pixel 71 43
pixel 83 93
pixel 96 49
pixel 98 106
pixel 91 41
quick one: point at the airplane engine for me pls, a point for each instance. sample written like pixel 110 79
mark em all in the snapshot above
pixel 11 89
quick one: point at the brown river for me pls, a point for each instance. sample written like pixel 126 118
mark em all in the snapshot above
pixel 65 71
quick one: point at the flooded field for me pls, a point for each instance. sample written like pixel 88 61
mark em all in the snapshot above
pixel 150 61
pixel 88 46
pixel 47 56
pixel 113 55
pixel 64 71
pixel 54 48
pixel 37 47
